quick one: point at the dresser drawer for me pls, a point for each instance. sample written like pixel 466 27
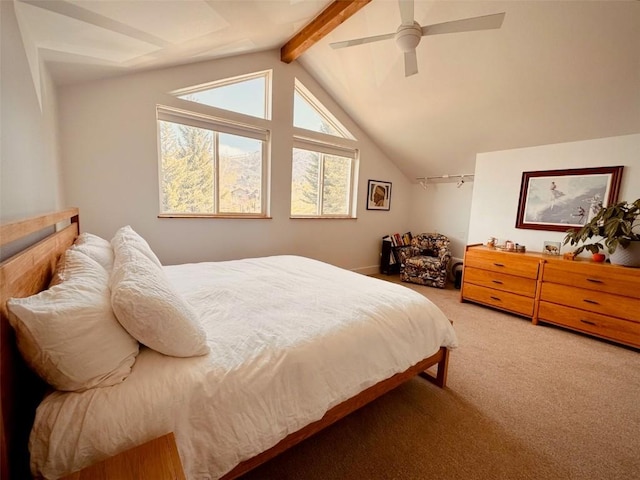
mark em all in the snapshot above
pixel 592 301
pixel 507 301
pixel 593 323
pixel 500 281
pixel 517 264
pixel 602 278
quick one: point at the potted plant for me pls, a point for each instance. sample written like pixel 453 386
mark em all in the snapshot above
pixel 616 228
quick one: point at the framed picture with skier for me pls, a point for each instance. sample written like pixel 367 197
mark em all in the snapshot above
pixel 558 200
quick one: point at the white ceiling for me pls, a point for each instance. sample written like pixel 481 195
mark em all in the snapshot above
pixel 555 71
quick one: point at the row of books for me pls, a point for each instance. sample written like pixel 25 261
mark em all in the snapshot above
pixel 398 240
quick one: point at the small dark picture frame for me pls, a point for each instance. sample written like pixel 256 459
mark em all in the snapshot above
pixel 557 200
pixel 379 195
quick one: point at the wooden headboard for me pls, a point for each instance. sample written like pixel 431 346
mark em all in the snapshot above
pixel 21 275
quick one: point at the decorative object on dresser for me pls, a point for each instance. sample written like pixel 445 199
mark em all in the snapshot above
pixel 508 246
pixel 597 299
pixel 556 200
pixel 425 260
pixel 551 248
pixel 618 227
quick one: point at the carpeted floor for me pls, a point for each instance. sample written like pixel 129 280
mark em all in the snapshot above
pixel 522 402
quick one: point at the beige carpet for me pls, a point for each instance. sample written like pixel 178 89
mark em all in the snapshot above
pixel 522 402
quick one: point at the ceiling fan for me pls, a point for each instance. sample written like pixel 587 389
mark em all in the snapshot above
pixel 409 33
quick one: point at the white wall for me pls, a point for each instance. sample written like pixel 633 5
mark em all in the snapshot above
pixel 443 208
pixel 109 149
pixel 29 160
pixel 498 176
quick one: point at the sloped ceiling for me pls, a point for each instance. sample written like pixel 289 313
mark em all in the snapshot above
pixel 555 72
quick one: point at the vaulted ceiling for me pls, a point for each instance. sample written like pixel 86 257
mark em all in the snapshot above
pixel 556 71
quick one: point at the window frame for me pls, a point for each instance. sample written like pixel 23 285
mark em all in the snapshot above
pixel 216 125
pixel 266 74
pixel 323 111
pixel 328 148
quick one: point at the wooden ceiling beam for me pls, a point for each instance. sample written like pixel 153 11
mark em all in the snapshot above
pixel 323 24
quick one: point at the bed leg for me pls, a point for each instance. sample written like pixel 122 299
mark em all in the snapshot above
pixel 440 378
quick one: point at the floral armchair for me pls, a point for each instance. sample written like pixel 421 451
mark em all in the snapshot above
pixel 425 261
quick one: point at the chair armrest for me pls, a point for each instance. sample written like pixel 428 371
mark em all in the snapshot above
pixel 404 252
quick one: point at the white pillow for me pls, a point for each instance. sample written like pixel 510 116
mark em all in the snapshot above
pixel 59 274
pixel 96 248
pixel 92 246
pixel 127 236
pixel 69 334
pixel 147 306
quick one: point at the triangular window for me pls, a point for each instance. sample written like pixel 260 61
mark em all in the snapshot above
pixel 310 114
pixel 246 94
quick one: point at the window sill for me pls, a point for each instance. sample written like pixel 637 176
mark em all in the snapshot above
pixel 203 215
pixel 322 218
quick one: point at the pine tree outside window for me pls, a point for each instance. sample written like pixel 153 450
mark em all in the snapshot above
pixel 322 181
pixel 324 162
pixel 214 153
pixel 210 167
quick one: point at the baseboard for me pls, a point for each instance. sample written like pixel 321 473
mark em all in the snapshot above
pixel 370 270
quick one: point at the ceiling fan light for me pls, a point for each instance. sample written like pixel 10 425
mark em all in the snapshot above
pixel 408 37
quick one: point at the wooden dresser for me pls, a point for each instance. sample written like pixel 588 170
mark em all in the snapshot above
pixel 502 280
pixel 594 298
pixel 597 299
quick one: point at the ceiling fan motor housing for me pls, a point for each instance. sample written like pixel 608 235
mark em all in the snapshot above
pixel 408 37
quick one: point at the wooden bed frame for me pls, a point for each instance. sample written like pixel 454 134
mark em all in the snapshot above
pixel 29 272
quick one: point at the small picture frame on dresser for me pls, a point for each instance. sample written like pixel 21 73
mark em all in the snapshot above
pixel 551 248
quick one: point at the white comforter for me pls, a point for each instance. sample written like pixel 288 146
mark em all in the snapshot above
pixel 290 337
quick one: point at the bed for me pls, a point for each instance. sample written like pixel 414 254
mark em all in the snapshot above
pixel 277 368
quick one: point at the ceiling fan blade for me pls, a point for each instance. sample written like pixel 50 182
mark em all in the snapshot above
pixel 406 11
pixel 486 22
pixel 410 63
pixel 360 41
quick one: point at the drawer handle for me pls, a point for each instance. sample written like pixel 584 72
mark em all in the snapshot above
pixel 498 264
pixel 497 281
pixel 588 322
pixel 592 302
pixel 594 280
pixel 496 299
